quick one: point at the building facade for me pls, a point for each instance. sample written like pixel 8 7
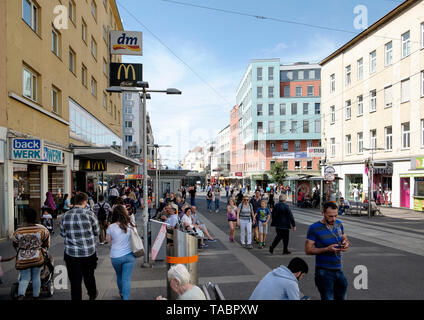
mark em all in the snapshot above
pixel 373 109
pixel 193 160
pixel 221 156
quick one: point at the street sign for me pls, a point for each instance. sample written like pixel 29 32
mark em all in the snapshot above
pixel 126 43
pixel 329 169
pixel 125 74
pixel 329 176
pixel 315 152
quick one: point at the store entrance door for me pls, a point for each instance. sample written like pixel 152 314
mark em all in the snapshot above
pixel 405 192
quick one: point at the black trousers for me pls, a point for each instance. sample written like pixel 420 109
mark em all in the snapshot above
pixel 79 269
pixel 282 234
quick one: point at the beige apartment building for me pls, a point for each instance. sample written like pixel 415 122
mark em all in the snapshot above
pixel 373 108
pixel 59 129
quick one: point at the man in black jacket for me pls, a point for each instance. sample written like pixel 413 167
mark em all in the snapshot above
pixel 283 221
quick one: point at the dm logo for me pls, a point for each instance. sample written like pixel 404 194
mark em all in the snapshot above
pixel 126 42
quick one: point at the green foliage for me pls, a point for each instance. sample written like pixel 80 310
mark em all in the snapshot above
pixel 278 173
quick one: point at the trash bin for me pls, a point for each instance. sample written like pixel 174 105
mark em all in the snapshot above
pixel 183 250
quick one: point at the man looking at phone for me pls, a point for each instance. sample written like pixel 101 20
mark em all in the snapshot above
pixel 326 240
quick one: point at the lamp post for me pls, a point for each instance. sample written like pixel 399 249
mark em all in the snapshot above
pixel 142 90
pixel 371 177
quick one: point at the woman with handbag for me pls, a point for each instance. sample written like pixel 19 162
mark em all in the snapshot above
pixel 119 234
pixel 31 243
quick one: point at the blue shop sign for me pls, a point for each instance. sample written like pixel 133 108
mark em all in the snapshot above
pixel 52 155
pixel 26 149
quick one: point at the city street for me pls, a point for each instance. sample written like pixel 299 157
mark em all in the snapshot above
pixel 390 248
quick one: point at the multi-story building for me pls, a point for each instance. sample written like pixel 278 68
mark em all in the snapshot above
pixel 279 117
pixel 373 108
pixel 53 91
pixel 208 150
pixel 193 160
pixel 237 150
pixel 221 156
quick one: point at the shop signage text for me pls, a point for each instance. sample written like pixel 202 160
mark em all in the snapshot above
pixel 27 149
pixel 315 152
pixel 239 174
pixel 290 155
pixel 259 177
pixel 126 42
pixel 53 155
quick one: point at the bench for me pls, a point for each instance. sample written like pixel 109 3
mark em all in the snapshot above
pixel 358 207
pixel 212 290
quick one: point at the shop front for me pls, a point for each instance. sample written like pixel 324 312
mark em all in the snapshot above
pixel 382 184
pixel 259 180
pixel 353 181
pixel 412 186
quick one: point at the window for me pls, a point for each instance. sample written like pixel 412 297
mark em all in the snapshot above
pixel 272 146
pixel 309 165
pixel 286 91
pixel 317 125
pixel 348 75
pixel 294 108
pixel 332 114
pixel 405 135
pixel 305 108
pixel 104 100
pixel 72 60
pixel 285 146
pixel 259 74
pixel 259 92
pixel 94 48
pixel 297 165
pixel 317 108
pixel 311 74
pixel 388 56
pixel 282 127
pixel 333 147
pixel 300 75
pixel 271 109
pixel 373 100
pixel 297 146
pixel 333 83
pixel 360 137
pixel 30 84
pixel 55 42
pixel 309 144
pixel 406 44
pixel 305 126
pixel 84 75
pixel 298 91
pixel 348 144
pixel 270 92
pixel 259 110
pixel 388 138
pixel 94 10
pixel 105 67
pixel 310 91
pixel 128 138
pixel 388 98
pixel 373 61
pixel 360 105
pixel 84 31
pixel 294 127
pixel 128 124
pixel 105 34
pixel 271 127
pixel 30 14
pixel 360 65
pixel 72 10
pixel 270 73
pixel 285 164
pixel 348 109
pixel 373 139
pixel 55 100
pixel 404 90
pixel 260 127
pixel 283 108
pixel 93 87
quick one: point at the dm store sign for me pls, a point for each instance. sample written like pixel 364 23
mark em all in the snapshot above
pixel 27 149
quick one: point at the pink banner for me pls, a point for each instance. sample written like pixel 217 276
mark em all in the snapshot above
pixel 158 242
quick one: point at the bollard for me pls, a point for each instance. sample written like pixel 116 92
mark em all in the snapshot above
pixel 182 251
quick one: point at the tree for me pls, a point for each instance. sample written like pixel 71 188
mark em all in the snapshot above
pixel 278 172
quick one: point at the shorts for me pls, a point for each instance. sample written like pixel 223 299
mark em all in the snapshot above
pixel 231 220
pixel 263 229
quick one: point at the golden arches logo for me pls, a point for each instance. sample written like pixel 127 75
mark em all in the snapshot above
pixel 98 166
pixel 126 71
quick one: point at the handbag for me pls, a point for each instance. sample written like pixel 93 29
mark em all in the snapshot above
pixel 136 243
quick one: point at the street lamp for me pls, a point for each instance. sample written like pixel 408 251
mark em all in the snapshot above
pixel 371 177
pixel 142 90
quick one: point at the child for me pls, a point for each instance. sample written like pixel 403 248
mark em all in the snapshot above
pixel 262 215
pixel 1 271
pixel 47 219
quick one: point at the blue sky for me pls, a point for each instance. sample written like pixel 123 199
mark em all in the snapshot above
pixel 218 46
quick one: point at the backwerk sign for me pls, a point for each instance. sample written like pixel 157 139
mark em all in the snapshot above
pixel 126 43
pixel 125 74
pixel 27 149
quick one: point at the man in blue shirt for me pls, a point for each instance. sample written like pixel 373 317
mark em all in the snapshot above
pixel 326 240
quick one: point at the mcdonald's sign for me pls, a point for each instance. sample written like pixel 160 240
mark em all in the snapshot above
pixel 125 74
pixel 92 165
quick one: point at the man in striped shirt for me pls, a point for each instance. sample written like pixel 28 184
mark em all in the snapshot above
pixel 80 228
pixel 326 240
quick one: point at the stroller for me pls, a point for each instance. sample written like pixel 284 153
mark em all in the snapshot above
pixel 46 277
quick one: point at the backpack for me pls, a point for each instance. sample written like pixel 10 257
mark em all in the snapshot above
pixel 101 214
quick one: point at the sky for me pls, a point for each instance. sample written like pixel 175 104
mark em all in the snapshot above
pixel 205 53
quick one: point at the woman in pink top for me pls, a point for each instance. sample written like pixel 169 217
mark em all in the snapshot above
pixel 232 217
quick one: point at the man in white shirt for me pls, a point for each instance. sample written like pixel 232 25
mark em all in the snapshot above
pixel 113 195
pixel 355 194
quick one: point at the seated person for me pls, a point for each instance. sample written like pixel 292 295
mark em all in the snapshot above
pixel 172 219
pixel 199 225
pixel 343 205
pixel 187 222
pixel 374 208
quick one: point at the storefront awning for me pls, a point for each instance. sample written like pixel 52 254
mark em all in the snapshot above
pixel 103 153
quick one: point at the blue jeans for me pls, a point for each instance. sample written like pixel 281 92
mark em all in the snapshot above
pixel 216 204
pixel 25 276
pixel 193 201
pixel 124 267
pixel 209 204
pixel 332 285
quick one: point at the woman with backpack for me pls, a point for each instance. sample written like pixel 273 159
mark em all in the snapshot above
pixel 245 217
pixel 122 257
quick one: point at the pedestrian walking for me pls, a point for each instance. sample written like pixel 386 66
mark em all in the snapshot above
pixel 209 197
pixel 49 203
pixel 232 218
pixel 80 227
pixel 217 195
pixel 282 283
pixel 283 221
pixel 327 240
pixel 113 194
pixel 239 198
pixel 262 216
pixel 271 201
pixel 192 193
pixel 31 243
pixel 130 206
pixel 102 210
pixel 245 217
pixel 66 203
pixel 121 255
pixel 255 201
